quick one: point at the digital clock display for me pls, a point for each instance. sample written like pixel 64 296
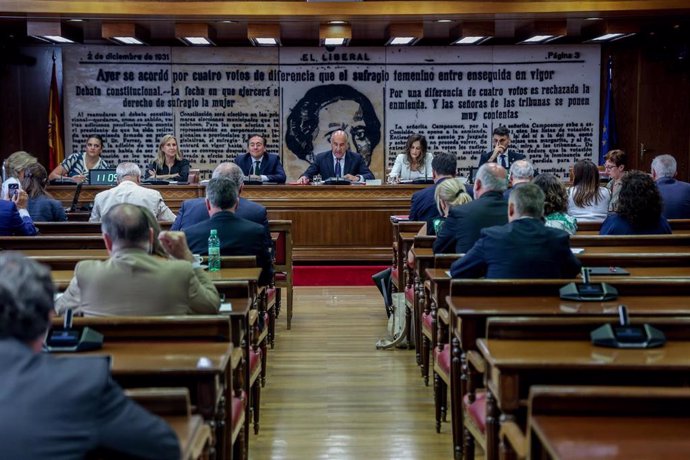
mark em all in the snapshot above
pixel 102 177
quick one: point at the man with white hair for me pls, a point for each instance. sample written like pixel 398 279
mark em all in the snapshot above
pixel 521 173
pixel 522 248
pixel 129 191
pixel 464 222
pixel 675 194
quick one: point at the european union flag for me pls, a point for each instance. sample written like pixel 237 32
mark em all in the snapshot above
pixel 609 137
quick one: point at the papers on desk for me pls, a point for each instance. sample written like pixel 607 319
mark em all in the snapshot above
pixel 225 307
pixel 577 250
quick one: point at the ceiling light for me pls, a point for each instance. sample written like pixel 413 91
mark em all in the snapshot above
pixel 404 34
pixel 124 33
pixel 541 32
pixel 195 34
pixel 442 21
pixel 608 31
pixel 264 34
pixel 337 23
pixel 335 35
pixel 472 33
pixel 52 31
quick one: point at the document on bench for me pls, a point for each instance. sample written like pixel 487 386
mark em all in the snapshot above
pixel 577 250
pixel 225 307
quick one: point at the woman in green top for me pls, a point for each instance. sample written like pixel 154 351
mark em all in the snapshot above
pixel 555 203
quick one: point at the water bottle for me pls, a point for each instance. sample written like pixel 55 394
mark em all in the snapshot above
pixel 213 251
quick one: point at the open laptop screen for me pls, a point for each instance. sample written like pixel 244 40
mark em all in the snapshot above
pixel 102 177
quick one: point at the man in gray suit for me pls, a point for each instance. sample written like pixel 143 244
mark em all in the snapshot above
pixel 55 409
pixel 132 281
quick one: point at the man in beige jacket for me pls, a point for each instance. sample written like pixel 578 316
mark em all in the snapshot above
pixel 134 283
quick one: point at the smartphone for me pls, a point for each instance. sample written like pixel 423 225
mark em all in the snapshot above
pixel 12 190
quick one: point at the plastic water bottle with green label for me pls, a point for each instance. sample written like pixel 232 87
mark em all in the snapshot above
pixel 213 251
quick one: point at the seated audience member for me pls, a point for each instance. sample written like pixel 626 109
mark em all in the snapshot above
pixel 259 165
pixel 423 205
pixel 674 193
pixel 238 237
pixel 522 248
pixel 639 208
pixel 194 211
pixel 132 282
pixel 13 170
pixel 615 162
pixel 59 408
pixel 587 201
pixel 77 166
pixel 338 162
pixel 464 223
pixel 501 152
pixel 129 191
pixel 14 217
pixel 449 193
pixel 555 203
pixel 521 172
pixel 169 163
pixel 415 163
pixel 42 206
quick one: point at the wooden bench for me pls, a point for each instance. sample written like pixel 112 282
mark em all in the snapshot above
pixel 678 226
pixel 282 264
pixel 78 228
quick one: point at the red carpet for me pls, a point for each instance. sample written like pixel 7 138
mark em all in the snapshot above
pixel 334 275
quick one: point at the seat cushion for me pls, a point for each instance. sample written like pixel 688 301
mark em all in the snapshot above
pixel 409 295
pixel 394 274
pixel 426 322
pixel 254 359
pixel 280 276
pixel 442 358
pixel 477 410
pixel 237 410
pixel 271 294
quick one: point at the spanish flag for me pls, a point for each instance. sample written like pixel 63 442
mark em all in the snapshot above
pixel 56 149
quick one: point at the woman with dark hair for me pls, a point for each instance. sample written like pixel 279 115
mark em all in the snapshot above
pixel 614 166
pixel 555 203
pixel 639 208
pixel 169 164
pixel 415 163
pixel 587 201
pixel 42 206
pixel 77 165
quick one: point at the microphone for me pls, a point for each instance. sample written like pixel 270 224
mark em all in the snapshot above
pixel 67 321
pixel 585 275
pixel 623 315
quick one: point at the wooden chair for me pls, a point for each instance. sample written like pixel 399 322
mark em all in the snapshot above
pixel 282 264
pixel 636 409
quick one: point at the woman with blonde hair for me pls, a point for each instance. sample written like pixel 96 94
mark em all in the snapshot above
pixel 42 206
pixel 13 169
pixel 587 200
pixel 169 163
pixel 448 193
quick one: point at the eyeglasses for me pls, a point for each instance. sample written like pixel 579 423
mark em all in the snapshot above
pixel 609 167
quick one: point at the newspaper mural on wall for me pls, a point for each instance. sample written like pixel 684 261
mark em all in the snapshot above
pixel 212 99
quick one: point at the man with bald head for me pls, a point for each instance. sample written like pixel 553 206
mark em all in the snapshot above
pixel 194 211
pixel 338 162
pixel 489 208
pixel 132 282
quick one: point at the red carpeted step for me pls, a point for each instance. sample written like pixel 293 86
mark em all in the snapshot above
pixel 335 275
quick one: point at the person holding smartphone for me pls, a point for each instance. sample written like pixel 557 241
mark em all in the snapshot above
pixel 13 170
pixel 14 217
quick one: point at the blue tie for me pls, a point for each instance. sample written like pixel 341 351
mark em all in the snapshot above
pixel 338 172
pixel 503 161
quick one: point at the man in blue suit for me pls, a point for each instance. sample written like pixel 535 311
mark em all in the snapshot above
pixel 238 237
pixel 259 165
pixel 423 204
pixel 464 223
pixel 194 211
pixel 339 162
pixel 675 193
pixel 501 153
pixel 14 217
pixel 523 248
pixel 61 408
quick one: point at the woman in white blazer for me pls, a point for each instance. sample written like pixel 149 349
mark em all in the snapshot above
pixel 415 163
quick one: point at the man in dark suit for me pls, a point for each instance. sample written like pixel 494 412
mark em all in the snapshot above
pixel 339 162
pixel 259 165
pixel 238 237
pixel 523 248
pixel 194 211
pixel 501 153
pixel 423 205
pixel 61 408
pixel 464 222
pixel 675 193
